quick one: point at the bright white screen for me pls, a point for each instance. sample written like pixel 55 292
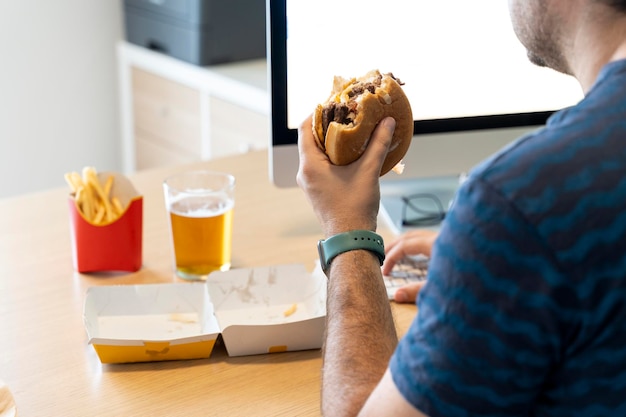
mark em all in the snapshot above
pixel 457 58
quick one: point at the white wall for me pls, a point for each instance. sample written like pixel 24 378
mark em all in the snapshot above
pixel 58 90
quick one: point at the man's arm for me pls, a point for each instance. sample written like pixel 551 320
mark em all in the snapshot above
pixel 360 333
pixel 360 339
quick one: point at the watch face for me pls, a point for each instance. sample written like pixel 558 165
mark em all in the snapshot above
pixel 322 255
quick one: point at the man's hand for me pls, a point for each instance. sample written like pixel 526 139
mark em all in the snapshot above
pixel 345 197
pixel 414 242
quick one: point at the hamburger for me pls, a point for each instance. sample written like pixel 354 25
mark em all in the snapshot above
pixel 344 124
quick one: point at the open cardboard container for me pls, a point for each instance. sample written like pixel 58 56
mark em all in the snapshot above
pixel 257 310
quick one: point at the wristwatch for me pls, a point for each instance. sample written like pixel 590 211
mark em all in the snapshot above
pixel 344 242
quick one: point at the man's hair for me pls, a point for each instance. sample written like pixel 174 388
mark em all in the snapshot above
pixel 619 5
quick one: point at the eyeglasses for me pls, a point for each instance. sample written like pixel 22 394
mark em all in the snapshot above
pixel 422 210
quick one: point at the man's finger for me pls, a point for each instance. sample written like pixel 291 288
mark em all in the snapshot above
pixel 380 141
pixel 408 293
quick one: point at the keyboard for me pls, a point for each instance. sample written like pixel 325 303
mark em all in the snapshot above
pixel 408 270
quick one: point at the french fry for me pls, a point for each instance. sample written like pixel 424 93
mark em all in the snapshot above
pixel 92 180
pixel 86 203
pixel 290 310
pixel 92 198
pixel 118 205
pixel 108 185
pixel 78 198
pixel 74 180
pixel 99 215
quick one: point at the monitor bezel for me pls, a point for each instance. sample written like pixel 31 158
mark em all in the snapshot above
pixel 282 134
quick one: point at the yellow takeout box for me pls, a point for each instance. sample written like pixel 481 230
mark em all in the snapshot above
pixel 258 310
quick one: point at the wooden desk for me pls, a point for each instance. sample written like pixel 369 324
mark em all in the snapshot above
pixel 44 356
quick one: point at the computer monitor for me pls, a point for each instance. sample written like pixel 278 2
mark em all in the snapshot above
pixel 471 87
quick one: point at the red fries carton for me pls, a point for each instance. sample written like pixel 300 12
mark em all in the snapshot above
pixel 105 236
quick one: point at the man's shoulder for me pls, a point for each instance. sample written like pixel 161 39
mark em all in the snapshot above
pixel 571 137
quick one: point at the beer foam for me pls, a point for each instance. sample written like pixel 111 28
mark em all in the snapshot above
pixel 197 206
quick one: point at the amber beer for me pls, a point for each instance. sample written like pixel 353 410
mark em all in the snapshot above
pixel 201 223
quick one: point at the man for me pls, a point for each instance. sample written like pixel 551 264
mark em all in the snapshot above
pixel 524 311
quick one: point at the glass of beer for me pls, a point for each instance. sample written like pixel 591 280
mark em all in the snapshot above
pixel 200 209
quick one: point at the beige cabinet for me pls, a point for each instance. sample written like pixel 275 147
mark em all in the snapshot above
pixel 174 112
pixel 167 121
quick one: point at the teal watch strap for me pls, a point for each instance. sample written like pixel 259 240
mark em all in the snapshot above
pixel 344 242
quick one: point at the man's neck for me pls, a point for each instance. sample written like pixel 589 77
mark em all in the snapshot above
pixel 600 39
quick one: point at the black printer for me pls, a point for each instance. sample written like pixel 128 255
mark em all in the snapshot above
pixel 202 32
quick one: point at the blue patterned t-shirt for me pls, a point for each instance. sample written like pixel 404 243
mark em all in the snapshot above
pixel 524 312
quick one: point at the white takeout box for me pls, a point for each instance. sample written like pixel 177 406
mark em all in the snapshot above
pixel 257 310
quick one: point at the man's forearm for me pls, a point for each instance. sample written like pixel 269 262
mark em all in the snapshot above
pixel 360 333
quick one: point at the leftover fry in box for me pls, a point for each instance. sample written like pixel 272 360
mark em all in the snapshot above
pixel 106 221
